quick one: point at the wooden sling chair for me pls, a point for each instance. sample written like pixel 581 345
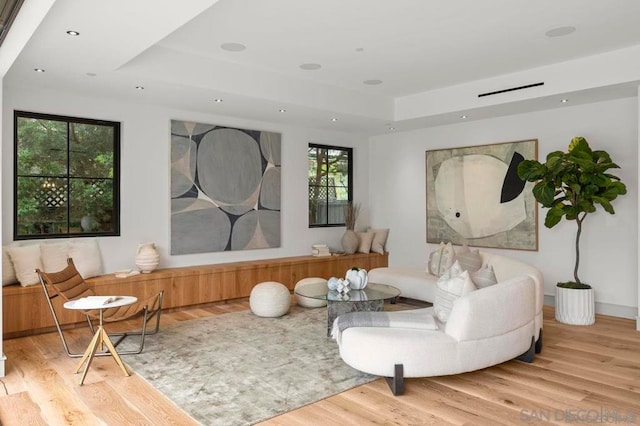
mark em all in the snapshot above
pixel 68 284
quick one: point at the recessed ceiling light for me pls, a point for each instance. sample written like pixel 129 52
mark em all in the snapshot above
pixel 463 116
pixel 560 31
pixel 310 67
pixel 140 87
pixel 91 74
pixel 282 110
pixel 38 70
pixel 233 47
pixel 372 82
pixel 73 33
pixel 334 119
pixel 391 128
pixel 218 100
pixel 564 101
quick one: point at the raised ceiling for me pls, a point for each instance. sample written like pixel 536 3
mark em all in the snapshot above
pixel 377 58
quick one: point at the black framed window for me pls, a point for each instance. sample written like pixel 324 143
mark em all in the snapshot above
pixel 67 176
pixel 330 184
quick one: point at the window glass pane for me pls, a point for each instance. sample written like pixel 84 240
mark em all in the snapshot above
pixel 43 207
pixel 41 147
pixel 91 150
pixel 329 184
pixel 91 205
pixel 66 176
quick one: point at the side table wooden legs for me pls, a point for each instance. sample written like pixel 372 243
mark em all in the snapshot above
pixel 101 337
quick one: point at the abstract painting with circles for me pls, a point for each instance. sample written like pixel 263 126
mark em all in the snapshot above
pixel 225 188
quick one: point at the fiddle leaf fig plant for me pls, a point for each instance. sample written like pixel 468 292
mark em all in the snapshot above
pixel 571 185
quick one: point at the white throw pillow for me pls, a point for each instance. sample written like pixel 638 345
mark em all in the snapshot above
pixel 8 273
pixel 448 290
pixel 379 240
pixel 86 256
pixel 25 261
pixel 366 238
pixel 484 277
pixel 54 256
pixel 454 271
pixel 441 259
pixel 470 260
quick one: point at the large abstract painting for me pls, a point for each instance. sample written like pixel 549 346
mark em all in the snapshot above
pixel 475 196
pixel 225 188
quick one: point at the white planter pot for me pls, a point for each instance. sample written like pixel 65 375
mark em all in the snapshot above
pixel 575 306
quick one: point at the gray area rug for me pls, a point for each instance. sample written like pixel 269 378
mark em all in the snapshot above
pixel 237 369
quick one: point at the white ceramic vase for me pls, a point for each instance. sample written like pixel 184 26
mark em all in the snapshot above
pixel 575 306
pixel 147 257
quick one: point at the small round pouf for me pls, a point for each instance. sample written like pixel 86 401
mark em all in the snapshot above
pixel 270 299
pixel 309 302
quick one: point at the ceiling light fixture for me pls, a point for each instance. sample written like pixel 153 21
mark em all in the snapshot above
pixel 91 74
pixel 218 100
pixel 282 110
pixel 73 33
pixel 233 47
pixel 391 128
pixel 139 87
pixel 463 117
pixel 38 70
pixel 334 119
pixel 372 82
pixel 310 67
pixel 564 101
pixel 560 31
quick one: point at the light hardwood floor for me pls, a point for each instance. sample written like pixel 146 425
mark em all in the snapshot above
pixel 583 375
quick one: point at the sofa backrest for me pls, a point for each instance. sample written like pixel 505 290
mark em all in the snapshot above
pixel 506 267
pixel 494 310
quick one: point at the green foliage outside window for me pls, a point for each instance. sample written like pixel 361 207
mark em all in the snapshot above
pixel 66 180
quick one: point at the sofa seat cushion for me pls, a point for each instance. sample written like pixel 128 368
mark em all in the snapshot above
pixel 413 283
pixel 426 353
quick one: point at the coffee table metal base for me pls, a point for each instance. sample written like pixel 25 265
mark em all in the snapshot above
pixel 336 308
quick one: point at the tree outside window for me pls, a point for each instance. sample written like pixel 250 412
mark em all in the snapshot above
pixel 66 176
pixel 330 184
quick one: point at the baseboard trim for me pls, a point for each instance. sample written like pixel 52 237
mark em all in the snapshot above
pixel 629 312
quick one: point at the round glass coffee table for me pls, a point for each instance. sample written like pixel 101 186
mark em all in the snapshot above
pixel 371 298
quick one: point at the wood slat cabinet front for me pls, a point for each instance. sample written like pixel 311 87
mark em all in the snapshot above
pixel 25 310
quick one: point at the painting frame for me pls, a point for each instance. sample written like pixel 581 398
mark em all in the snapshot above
pixel 481 212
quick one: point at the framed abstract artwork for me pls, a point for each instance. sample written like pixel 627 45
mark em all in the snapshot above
pixel 225 188
pixel 475 196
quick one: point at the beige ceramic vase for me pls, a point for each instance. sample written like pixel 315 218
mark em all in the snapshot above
pixel 147 257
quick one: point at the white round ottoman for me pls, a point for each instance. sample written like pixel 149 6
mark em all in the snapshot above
pixel 308 302
pixel 270 299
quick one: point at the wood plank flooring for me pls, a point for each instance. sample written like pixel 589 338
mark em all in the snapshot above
pixel 583 375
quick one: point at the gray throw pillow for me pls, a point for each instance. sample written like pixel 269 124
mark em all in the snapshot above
pixel 484 277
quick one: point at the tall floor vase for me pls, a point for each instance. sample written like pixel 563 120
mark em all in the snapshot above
pixel 350 241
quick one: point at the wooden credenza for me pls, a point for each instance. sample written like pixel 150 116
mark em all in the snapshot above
pixel 25 309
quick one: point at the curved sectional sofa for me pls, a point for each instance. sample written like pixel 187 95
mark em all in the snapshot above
pixel 486 327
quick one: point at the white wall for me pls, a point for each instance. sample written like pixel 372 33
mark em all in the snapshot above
pixel 145 207
pixel 609 251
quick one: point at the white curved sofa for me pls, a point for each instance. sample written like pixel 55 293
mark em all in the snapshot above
pixel 486 327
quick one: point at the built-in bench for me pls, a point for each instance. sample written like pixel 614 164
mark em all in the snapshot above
pixel 25 310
